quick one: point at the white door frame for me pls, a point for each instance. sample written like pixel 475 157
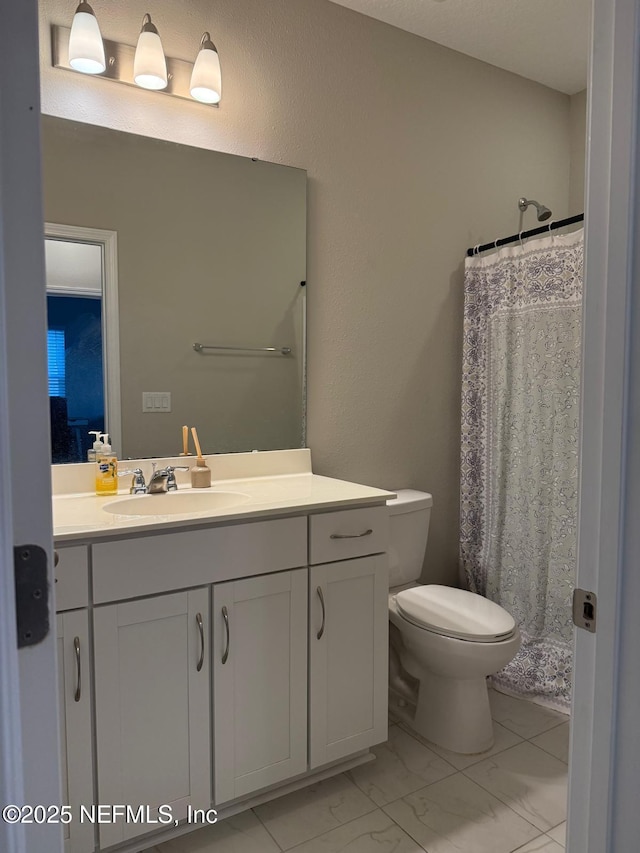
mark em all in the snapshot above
pixel 603 814
pixel 29 771
pixel 108 241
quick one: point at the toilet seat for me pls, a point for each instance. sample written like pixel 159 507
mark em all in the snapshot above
pixel 455 613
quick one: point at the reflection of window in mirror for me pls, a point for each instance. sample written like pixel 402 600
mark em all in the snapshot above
pixel 79 346
pixel 76 382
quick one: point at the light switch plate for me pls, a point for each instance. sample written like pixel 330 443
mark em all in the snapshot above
pixel 157 402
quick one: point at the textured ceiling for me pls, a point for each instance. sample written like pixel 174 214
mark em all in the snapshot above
pixel 544 40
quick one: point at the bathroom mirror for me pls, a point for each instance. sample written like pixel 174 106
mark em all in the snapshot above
pixel 211 249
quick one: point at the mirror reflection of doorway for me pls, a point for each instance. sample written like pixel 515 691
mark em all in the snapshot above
pixel 80 345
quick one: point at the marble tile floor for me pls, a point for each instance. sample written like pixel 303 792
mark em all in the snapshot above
pixel 418 797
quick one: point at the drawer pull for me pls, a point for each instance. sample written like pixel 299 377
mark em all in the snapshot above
pixel 76 646
pixel 321 597
pixel 201 630
pixel 56 559
pixel 351 535
pixel 225 616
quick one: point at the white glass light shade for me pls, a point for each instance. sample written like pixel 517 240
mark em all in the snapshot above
pixel 150 65
pixel 206 77
pixel 86 50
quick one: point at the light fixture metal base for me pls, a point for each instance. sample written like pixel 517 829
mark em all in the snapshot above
pixel 120 65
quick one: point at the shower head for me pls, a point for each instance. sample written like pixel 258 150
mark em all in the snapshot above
pixel 543 212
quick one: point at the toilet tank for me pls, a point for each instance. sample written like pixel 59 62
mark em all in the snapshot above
pixel 409 516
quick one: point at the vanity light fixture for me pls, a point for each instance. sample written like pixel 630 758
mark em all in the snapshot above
pixel 150 65
pixel 86 49
pixel 82 48
pixel 206 77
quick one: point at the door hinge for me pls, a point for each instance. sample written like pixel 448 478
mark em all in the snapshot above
pixel 32 594
pixel 585 605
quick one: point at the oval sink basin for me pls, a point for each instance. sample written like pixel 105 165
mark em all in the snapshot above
pixel 175 503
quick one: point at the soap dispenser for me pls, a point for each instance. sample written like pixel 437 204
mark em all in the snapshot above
pixel 106 469
pixel 97 446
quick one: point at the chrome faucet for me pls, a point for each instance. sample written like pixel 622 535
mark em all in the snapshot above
pixel 158 483
pixel 164 480
pixel 161 482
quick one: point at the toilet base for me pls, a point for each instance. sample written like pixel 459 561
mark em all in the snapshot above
pixel 454 713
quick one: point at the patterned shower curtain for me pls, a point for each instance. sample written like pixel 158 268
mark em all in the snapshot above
pixel 519 478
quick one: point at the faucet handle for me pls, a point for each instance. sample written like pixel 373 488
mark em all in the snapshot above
pixel 138 485
pixel 172 485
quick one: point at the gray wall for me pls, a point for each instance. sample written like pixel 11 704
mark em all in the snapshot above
pixel 414 152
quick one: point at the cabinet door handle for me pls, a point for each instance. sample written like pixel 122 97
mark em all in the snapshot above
pixel 201 629
pixel 225 616
pixel 76 646
pixel 351 535
pixel 321 597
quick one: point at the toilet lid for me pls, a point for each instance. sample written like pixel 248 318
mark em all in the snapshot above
pixel 455 613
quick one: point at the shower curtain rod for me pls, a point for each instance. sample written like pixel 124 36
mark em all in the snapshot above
pixel 552 226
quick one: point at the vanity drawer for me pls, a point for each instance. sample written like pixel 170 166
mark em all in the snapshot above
pixel 348 533
pixel 71 578
pixel 152 564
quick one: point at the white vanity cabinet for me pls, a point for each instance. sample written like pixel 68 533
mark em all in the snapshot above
pixel 74 693
pixel 74 698
pixel 260 682
pixel 348 657
pixel 348 633
pixel 152 683
pixel 229 659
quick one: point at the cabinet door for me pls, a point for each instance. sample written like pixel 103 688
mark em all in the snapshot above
pixel 348 631
pixel 74 697
pixel 153 707
pixel 260 682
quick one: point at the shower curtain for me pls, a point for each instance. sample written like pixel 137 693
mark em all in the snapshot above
pixel 519 463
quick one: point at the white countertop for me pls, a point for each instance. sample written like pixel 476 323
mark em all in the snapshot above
pixel 82 517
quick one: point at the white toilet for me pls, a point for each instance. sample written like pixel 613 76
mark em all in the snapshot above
pixel 444 642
